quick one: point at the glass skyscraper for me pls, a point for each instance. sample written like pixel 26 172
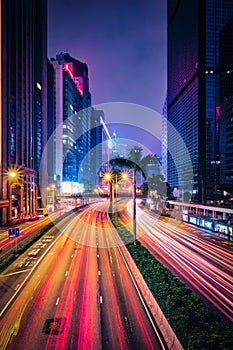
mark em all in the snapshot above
pixel 193 98
pixel 24 102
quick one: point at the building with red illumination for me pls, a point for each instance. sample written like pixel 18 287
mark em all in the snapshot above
pixel 71 159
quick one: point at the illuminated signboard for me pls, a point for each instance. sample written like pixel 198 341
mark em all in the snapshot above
pixel 222 228
pixel 193 220
pixel 13 232
pixel 208 224
pixel 202 222
pixel 185 217
pixel 69 187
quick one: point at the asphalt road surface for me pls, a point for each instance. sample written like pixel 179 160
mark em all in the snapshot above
pixel 73 291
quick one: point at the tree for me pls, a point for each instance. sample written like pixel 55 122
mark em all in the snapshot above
pixel 135 154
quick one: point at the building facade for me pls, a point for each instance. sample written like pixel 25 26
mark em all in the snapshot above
pixel 193 99
pixel 23 103
pixel 69 119
pixel 97 139
pixel 226 105
pixel 164 140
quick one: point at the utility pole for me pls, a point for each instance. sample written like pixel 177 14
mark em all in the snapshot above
pixel 134 206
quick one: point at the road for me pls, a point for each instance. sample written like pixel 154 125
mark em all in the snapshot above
pixel 27 229
pixel 76 294
pixel 203 264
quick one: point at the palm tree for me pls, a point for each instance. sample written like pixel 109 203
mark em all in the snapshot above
pixel 127 163
pixel 136 163
pixel 135 155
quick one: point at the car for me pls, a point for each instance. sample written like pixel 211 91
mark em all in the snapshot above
pixel 32 217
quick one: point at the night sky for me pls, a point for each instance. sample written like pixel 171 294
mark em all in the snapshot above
pixel 123 42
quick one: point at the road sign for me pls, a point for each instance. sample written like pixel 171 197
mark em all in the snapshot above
pixel 13 232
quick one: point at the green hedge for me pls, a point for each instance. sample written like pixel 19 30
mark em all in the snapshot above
pixel 196 326
pixel 7 261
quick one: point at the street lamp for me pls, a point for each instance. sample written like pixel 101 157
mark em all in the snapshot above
pixel 134 206
pixel 124 175
pixel 112 177
pixel 108 178
pixel 13 177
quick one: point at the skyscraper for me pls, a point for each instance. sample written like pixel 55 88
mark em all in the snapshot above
pixel 24 103
pixel 97 116
pixel 226 105
pixel 71 101
pixel 193 100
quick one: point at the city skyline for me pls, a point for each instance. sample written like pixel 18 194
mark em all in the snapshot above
pixel 101 248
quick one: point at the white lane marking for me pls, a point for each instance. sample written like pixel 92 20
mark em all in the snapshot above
pixel 17 287
pixel 98 255
pixel 66 274
pixel 27 277
pixel 72 255
pixel 14 273
pixel 58 299
pixel 99 272
pixel 101 299
pixel 141 298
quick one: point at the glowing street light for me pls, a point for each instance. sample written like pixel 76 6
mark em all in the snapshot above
pixel 124 175
pixel 107 177
pixel 13 174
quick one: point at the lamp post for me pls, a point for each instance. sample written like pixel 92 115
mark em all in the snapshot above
pixel 134 206
pixel 112 178
pixel 108 178
pixel 116 194
pixel 119 175
pixel 13 176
